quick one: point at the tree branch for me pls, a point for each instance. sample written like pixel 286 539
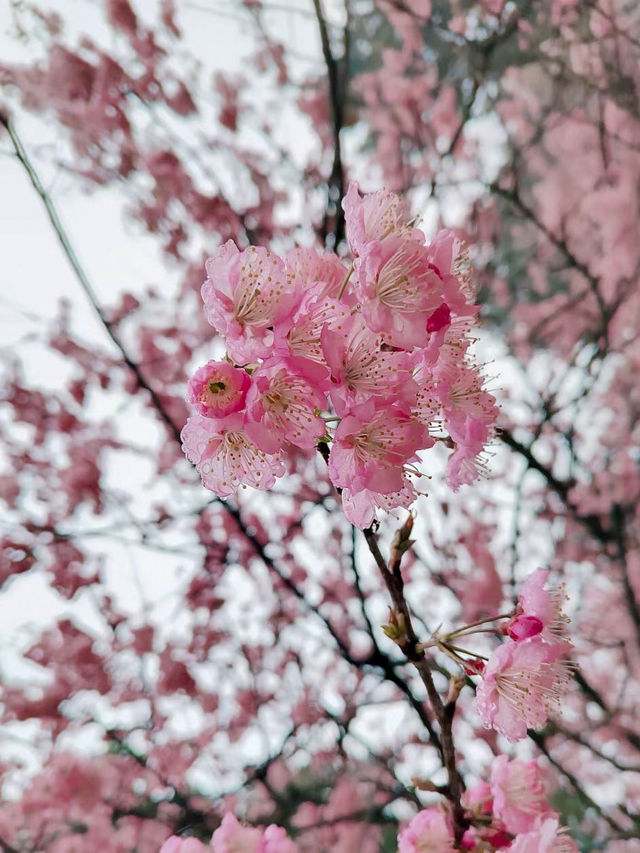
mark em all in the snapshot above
pixel 408 643
pixel 335 188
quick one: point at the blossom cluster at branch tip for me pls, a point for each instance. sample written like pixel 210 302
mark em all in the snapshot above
pixel 372 359
pixel 525 678
pixel 510 813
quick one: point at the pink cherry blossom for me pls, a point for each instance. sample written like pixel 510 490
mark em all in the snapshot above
pixel 275 840
pixel 449 258
pixel 540 611
pixel 284 398
pixel 546 837
pixel 430 831
pixel 373 217
pixel 523 683
pixel 244 295
pixel 218 389
pixel 519 793
pixel 470 438
pixel 360 506
pixel 360 369
pixel 460 388
pixel 300 334
pixel 232 837
pixel 371 446
pixel 175 844
pixel 398 289
pixel 308 268
pixel 401 352
pixel 231 452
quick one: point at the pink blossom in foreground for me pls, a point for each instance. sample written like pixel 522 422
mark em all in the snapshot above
pixel 445 253
pixel 381 348
pixel 373 217
pixel 229 453
pixel 244 295
pixel 546 837
pixel 218 389
pixel 540 608
pixel 522 685
pixel 461 391
pixel 519 794
pixel 371 446
pixel 175 844
pixel 430 831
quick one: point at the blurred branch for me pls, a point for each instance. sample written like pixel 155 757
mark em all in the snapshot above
pixel 335 188
pixel 618 522
pixel 560 487
pixel 6 847
pixel 540 740
pixel 81 274
pixel 561 244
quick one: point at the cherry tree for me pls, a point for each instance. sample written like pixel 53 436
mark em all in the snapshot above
pixel 389 599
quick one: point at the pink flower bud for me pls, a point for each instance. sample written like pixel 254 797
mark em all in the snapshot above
pixel 217 389
pixel 524 626
pixel 474 667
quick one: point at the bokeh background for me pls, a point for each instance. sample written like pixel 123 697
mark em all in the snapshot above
pixel 165 657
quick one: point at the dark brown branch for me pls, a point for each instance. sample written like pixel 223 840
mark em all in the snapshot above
pixel 337 88
pixel 618 522
pixel 6 847
pixel 408 644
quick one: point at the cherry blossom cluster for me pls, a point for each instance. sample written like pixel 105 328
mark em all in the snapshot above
pixel 509 813
pixel 232 837
pixel 525 678
pixel 371 359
